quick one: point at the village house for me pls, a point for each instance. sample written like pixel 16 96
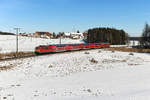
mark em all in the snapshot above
pixel 43 35
pixel 67 35
pixel 74 35
pixel 85 35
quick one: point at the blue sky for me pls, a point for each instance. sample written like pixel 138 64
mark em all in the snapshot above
pixel 70 15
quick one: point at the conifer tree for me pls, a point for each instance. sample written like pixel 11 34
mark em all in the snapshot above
pixel 145 39
pixel 109 35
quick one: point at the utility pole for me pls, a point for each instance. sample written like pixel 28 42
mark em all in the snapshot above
pixel 17 30
pixel 60 39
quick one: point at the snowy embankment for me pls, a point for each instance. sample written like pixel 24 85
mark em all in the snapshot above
pixel 26 44
pixel 94 75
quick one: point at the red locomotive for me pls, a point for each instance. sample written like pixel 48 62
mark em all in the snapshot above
pixel 68 47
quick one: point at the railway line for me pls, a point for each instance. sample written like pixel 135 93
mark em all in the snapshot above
pixel 53 49
pixel 17 57
pixel 23 55
pixel 45 54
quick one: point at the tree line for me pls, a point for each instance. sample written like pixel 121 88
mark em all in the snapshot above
pixel 109 35
pixel 5 33
pixel 145 38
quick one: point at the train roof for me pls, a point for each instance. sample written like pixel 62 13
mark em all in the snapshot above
pixel 70 44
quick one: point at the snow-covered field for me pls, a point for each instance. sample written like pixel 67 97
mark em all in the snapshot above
pixel 81 75
pixel 28 44
pixel 8 43
pixel 99 75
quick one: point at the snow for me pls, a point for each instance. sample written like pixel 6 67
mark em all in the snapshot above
pixel 73 76
pixel 80 75
pixel 27 44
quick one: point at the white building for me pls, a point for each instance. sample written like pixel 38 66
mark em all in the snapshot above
pixel 74 35
pixel 67 34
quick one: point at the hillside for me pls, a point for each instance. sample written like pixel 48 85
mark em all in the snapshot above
pixel 6 33
pixel 99 75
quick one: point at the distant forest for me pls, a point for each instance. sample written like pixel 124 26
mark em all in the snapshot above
pixel 6 33
pixel 109 35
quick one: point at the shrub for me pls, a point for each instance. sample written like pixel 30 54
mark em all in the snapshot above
pixel 5 68
pixel 94 61
pixel 50 66
pixel 99 51
pixel 131 54
pixel 86 53
pixel 113 51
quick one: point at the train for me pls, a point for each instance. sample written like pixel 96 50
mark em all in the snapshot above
pixel 42 49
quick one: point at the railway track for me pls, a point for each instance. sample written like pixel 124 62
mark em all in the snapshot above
pixel 34 55
pixel 17 57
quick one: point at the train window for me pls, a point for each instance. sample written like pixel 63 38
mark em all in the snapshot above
pixel 86 44
pixel 45 47
pixel 75 44
pixel 37 48
pixel 60 45
pixel 68 45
